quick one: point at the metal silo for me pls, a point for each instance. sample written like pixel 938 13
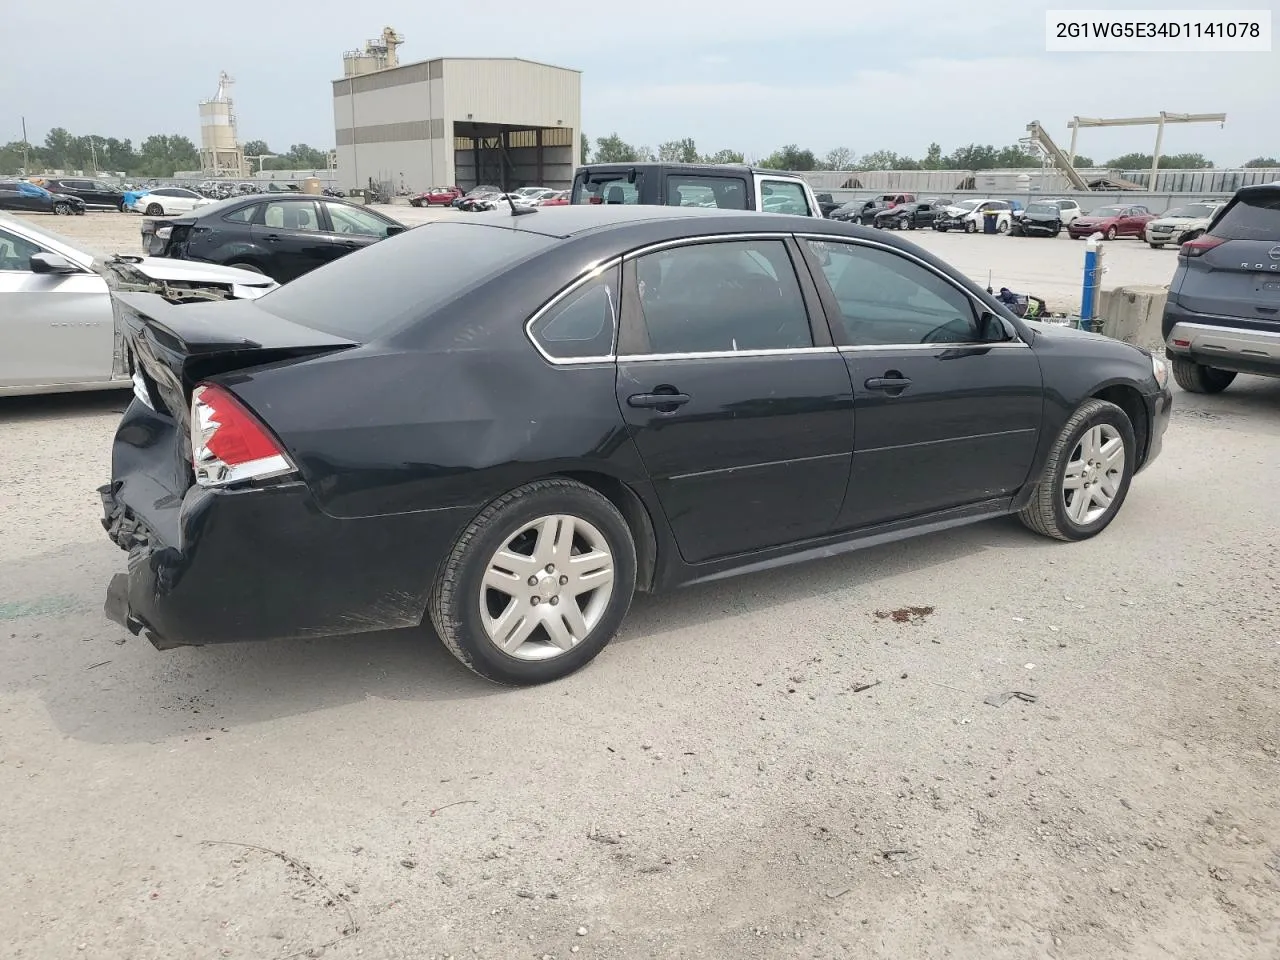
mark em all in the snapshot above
pixel 220 152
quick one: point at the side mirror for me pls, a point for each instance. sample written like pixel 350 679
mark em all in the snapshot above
pixel 51 263
pixel 393 230
pixel 991 328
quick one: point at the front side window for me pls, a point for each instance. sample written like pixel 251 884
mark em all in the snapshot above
pixel 583 323
pixel 354 220
pixel 885 299
pixel 16 252
pixel 292 215
pixel 780 196
pixel 722 297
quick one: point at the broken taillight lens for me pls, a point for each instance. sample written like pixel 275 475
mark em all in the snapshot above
pixel 1199 246
pixel 228 443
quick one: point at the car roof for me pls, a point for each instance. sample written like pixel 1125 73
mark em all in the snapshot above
pixel 690 168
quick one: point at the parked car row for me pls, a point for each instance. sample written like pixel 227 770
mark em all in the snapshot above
pixel 22 196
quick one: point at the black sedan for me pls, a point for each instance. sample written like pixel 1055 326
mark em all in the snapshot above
pixel 281 236
pixel 906 216
pixel 1038 220
pixel 23 197
pixel 575 404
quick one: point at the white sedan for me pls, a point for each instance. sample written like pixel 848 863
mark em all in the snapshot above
pixel 165 201
pixel 57 322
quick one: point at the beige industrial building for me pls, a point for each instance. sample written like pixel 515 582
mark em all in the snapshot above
pixel 465 121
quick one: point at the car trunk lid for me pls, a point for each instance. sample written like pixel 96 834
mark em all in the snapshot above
pixel 172 347
pixel 1234 269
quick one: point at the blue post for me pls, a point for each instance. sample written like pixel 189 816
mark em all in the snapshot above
pixel 1092 281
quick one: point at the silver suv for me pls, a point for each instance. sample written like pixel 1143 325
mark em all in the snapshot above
pixel 1222 316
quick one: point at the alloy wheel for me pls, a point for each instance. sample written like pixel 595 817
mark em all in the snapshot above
pixel 547 587
pixel 1093 475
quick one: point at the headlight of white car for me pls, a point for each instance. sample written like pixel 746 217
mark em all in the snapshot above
pixel 1161 370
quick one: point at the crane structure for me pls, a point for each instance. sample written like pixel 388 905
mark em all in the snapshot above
pixel 1077 123
pixel 1040 136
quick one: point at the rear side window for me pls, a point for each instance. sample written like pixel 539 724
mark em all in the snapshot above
pixel 781 196
pixel 460 256
pixel 1250 218
pixel 244 214
pixel 727 193
pixel 582 324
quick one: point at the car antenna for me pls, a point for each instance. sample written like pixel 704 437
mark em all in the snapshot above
pixel 512 204
pixel 989 290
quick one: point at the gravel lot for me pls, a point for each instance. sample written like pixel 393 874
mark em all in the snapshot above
pixel 1050 268
pixel 722 782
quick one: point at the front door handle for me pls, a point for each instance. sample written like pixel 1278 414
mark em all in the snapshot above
pixel 888 384
pixel 662 402
pixel 274 237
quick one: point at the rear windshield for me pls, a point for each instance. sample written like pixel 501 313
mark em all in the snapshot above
pixel 384 287
pixel 1251 218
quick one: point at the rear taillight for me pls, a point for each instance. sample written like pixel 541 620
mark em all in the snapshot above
pixel 1199 246
pixel 228 443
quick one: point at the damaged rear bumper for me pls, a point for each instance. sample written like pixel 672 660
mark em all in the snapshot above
pixel 266 564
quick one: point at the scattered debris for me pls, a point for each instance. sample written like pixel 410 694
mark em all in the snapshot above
pixel 598 837
pixel 890 854
pixel 408 862
pixel 95 666
pixel 905 614
pixel 865 686
pixel 1000 699
pixel 837 894
pixel 582 931
pixel 448 805
pixel 1220 873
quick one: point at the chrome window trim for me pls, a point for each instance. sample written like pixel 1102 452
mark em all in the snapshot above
pixel 591 273
pixel 724 354
pixel 707 238
pixel 968 295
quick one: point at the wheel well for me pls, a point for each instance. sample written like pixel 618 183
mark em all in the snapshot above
pixel 1130 401
pixel 637 516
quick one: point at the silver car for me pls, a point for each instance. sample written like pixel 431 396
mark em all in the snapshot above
pixel 57 325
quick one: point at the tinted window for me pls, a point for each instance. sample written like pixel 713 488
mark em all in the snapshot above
pixel 1251 218
pixel 710 297
pixel 292 215
pixel 15 252
pixel 727 193
pixel 1194 210
pixel 354 220
pixel 244 214
pixel 779 196
pixel 1107 212
pixel 461 256
pixel 888 300
pixel 608 188
pixel 583 323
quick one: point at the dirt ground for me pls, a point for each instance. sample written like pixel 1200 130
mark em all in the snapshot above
pixel 1049 268
pixel 801 763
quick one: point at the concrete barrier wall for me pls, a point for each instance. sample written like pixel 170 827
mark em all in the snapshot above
pixel 1133 314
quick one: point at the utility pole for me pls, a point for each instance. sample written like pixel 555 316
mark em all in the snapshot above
pixel 26 161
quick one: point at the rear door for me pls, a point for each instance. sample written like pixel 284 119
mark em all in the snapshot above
pixel 731 390
pixel 294 234
pixel 948 404
pixel 1234 269
pixel 54 328
pixel 1134 222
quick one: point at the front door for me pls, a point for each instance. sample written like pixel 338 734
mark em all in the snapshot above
pixel 351 228
pixel 739 405
pixel 54 328
pixel 948 402
pixel 293 235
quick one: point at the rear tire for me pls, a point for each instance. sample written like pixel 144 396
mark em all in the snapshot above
pixel 509 540
pixel 1053 508
pixel 244 265
pixel 155 210
pixel 1197 378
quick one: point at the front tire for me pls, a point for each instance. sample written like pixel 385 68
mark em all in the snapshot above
pixel 1197 378
pixel 970 227
pixel 62 209
pixel 1155 246
pixel 1111 233
pixel 536 585
pixel 1086 478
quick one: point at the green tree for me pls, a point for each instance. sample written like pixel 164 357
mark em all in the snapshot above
pixel 724 156
pixel 1262 162
pixel 933 158
pixel 1168 161
pixel 613 149
pixel 838 158
pixel 256 148
pixel 790 157
pixel 11 158
pixel 1014 157
pixel 679 151
pixel 973 157
pixel 887 160
pixel 1081 161
pixel 58 144
pixel 586 149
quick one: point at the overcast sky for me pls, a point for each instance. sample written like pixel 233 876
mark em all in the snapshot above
pixel 747 75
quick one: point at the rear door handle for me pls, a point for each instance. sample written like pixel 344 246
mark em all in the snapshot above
pixel 888 383
pixel 658 401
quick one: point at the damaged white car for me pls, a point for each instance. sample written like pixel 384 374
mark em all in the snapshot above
pixel 57 324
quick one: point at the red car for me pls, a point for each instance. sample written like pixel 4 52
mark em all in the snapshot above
pixel 1111 222
pixel 436 195
pixel 560 199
